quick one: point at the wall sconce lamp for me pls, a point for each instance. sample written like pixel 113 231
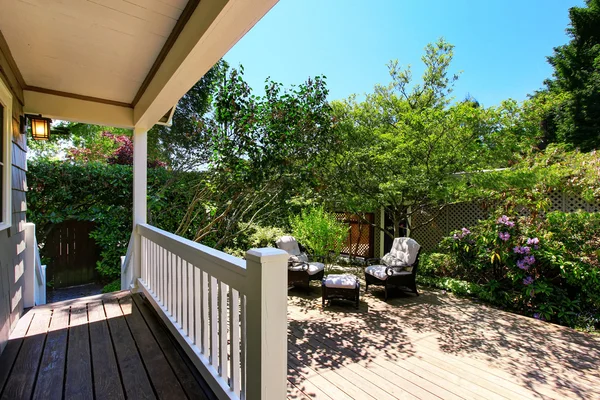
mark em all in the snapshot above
pixel 40 127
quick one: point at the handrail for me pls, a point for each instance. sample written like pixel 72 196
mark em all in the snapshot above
pixel 218 264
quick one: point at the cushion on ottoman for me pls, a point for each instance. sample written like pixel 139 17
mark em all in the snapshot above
pixel 340 281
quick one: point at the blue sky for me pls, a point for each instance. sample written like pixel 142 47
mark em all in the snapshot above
pixel 501 45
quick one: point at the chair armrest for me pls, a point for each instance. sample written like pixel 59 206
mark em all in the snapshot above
pixel 371 261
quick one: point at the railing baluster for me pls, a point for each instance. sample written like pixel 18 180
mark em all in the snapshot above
pixel 243 348
pixel 185 277
pixel 180 262
pixel 223 364
pixel 214 337
pixel 190 300
pixel 205 318
pixel 198 308
pixel 234 308
pixel 169 282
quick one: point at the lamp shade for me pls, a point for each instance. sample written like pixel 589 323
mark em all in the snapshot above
pixel 40 128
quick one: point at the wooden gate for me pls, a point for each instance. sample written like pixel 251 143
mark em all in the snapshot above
pixel 72 254
pixel 360 236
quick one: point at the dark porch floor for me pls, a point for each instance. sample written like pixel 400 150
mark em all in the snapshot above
pixel 112 346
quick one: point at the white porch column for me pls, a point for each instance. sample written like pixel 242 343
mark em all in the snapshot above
pixel 140 183
pixel 266 324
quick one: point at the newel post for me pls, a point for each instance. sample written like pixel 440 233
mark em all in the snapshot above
pixel 140 181
pixel 266 324
pixel 29 281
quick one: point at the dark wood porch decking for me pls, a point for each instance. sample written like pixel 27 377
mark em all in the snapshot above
pixel 435 346
pixel 112 346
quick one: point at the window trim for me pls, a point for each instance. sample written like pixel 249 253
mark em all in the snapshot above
pixel 6 100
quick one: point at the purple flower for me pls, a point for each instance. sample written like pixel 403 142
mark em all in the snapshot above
pixel 528 280
pixel 521 250
pixel 523 265
pixel 503 220
pixel 455 237
pixel 504 236
pixel 529 260
pixel 533 241
pixel 466 232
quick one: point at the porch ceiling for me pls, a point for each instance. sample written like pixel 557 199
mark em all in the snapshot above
pixel 96 48
pixel 117 62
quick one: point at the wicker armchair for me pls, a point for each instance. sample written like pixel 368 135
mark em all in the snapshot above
pixel 398 268
pixel 300 269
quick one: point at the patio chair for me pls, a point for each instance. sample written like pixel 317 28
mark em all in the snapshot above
pixel 398 268
pixel 300 269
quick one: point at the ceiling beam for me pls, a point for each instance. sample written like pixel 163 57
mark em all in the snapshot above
pixel 212 29
pixel 77 110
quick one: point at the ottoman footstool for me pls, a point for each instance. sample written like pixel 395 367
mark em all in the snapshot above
pixel 344 287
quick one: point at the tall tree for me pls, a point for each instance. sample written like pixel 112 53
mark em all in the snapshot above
pixel 577 77
pixel 405 145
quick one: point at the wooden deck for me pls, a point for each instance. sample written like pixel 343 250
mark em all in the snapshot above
pixel 428 347
pixel 433 346
pixel 101 347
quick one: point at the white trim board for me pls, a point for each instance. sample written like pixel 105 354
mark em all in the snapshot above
pixel 6 100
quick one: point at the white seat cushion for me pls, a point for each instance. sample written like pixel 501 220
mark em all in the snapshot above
pixel 378 271
pixel 313 267
pixel 340 281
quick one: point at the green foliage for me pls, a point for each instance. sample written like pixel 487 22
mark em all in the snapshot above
pixel 265 236
pixel 542 265
pixel 402 148
pixel 576 118
pixel 102 193
pixel 114 286
pixel 320 232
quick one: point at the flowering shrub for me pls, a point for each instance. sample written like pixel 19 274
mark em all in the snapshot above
pixel 544 266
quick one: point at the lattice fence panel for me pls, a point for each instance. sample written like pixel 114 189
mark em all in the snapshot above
pixel 429 236
pixel 575 203
pixel 556 201
pixel 377 235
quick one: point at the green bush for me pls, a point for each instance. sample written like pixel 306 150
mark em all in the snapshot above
pixel 320 232
pixel 543 265
pixel 264 236
pixel 102 193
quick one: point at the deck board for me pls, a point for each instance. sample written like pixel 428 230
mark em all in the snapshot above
pixel 20 383
pixel 52 365
pixel 107 383
pixel 78 382
pixel 101 347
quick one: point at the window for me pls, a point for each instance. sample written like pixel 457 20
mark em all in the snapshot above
pixel 5 156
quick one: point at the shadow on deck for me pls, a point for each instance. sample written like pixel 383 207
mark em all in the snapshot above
pixel 111 346
pixel 433 346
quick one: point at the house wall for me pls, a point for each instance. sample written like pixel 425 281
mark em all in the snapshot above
pixel 12 240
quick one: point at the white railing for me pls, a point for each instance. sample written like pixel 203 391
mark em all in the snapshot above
pixel 126 269
pixel 34 273
pixel 229 314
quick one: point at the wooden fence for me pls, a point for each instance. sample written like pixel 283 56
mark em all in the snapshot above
pixel 360 241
